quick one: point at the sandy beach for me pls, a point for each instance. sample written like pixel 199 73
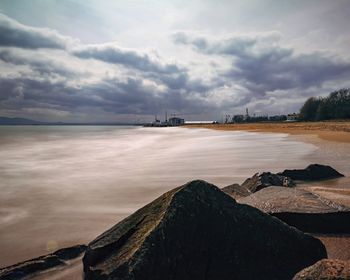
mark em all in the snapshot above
pixel 337 131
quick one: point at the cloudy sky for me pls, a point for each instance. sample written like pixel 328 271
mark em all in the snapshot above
pixel 96 60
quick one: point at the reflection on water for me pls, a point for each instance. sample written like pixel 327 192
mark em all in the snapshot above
pixel 62 185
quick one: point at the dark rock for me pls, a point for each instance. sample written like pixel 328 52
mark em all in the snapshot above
pixel 263 180
pixel 236 191
pixel 198 232
pixel 302 209
pixel 266 179
pixel 70 252
pixel 256 183
pixel 32 267
pixel 313 172
pixel 326 269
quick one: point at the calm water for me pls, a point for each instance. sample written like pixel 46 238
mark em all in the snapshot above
pixel 64 185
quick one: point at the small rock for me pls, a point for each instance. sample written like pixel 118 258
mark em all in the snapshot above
pixel 313 172
pixel 256 183
pixel 266 179
pixel 326 269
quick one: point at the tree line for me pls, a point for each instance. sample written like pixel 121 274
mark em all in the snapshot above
pixel 334 106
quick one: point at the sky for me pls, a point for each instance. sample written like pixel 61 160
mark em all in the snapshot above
pixel 126 61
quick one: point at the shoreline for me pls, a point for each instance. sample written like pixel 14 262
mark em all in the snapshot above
pixel 332 153
pixel 335 131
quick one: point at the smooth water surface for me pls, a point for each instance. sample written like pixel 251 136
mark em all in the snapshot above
pixel 61 185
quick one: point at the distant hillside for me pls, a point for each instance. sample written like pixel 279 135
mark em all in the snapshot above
pixel 23 121
pixel 18 121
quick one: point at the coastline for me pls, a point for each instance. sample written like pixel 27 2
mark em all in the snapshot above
pixel 57 212
pixel 56 178
pixel 335 131
pixel 336 189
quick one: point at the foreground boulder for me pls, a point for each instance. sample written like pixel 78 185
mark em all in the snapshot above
pixel 198 232
pixel 313 172
pixel 27 269
pixel 256 183
pixel 302 209
pixel 326 269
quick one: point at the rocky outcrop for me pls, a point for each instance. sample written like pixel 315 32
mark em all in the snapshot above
pixel 29 268
pixel 302 209
pixel 257 182
pixel 263 180
pixel 198 232
pixel 286 178
pixel 313 172
pixel 326 269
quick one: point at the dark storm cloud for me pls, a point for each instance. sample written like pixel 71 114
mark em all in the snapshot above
pixel 175 78
pixel 133 96
pixel 259 72
pixel 272 71
pixel 112 54
pixel 125 97
pixel 46 84
pixel 22 93
pixel 109 95
pixel 42 66
pixel 260 65
pixel 14 34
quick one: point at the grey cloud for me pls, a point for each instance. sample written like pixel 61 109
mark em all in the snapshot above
pixel 260 65
pixel 112 54
pixel 174 77
pixel 235 46
pixel 39 88
pixel 271 71
pixel 42 66
pixel 134 97
pixel 175 82
pixel 183 81
pixel 14 34
pixel 110 95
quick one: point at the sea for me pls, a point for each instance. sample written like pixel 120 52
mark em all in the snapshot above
pixel 64 185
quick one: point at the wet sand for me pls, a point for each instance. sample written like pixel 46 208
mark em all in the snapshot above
pixel 338 246
pixel 337 131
